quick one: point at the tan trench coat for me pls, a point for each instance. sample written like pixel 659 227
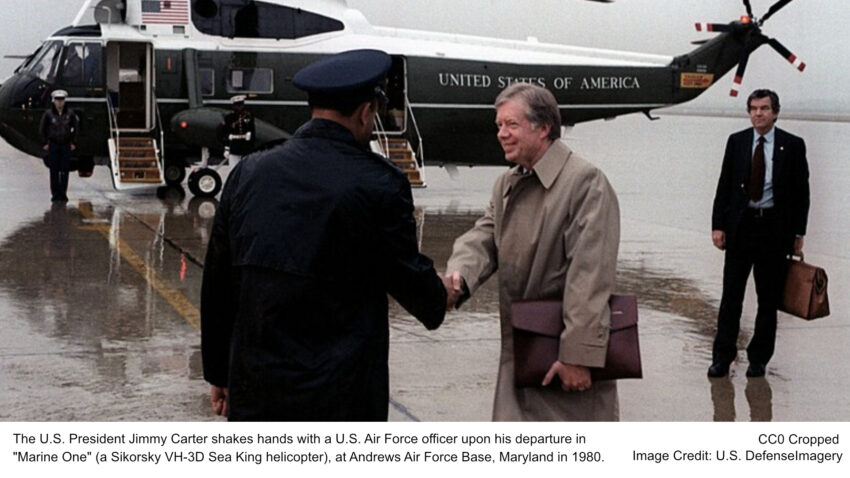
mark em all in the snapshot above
pixel 553 233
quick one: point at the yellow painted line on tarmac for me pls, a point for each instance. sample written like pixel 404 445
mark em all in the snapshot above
pixel 174 297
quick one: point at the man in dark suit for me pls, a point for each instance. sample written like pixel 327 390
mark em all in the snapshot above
pixel 760 213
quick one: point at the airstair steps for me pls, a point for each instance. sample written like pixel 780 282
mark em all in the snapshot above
pixel 137 160
pixel 401 154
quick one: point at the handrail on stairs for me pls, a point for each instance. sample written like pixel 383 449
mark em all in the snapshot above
pixel 383 140
pixel 113 119
pixel 420 151
pixel 115 134
pixel 383 137
pixel 160 148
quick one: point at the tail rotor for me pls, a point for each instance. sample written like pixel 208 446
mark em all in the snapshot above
pixel 750 26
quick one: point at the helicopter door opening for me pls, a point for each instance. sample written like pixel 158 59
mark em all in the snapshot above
pixel 129 81
pixel 393 139
pixel 394 117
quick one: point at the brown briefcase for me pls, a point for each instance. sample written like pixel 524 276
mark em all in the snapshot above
pixel 537 327
pixel 805 291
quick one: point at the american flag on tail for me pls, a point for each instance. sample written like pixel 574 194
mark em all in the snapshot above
pixel 167 12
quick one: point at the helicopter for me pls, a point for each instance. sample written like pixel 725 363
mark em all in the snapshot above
pixel 151 82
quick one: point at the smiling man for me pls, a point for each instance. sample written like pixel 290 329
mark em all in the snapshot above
pixel 552 229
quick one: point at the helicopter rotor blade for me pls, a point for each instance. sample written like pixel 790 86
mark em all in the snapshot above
pixel 792 58
pixel 774 8
pixel 713 27
pixel 749 8
pixel 739 75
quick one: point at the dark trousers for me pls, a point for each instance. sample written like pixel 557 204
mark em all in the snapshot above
pixel 59 161
pixel 760 247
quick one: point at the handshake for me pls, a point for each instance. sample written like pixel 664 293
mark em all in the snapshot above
pixel 453 283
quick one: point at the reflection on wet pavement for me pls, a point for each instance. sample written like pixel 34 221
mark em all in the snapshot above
pixel 85 336
pixel 759 399
pixel 673 295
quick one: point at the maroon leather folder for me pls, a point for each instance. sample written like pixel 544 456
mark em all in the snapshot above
pixel 537 327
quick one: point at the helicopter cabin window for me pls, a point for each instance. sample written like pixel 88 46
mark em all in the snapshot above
pixel 250 80
pixel 207 81
pixel 253 19
pixel 47 64
pixel 82 65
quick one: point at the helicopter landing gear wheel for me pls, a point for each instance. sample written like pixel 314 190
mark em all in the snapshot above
pixel 175 173
pixel 205 183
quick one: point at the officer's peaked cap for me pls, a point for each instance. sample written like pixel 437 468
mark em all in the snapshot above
pixel 59 94
pixel 347 72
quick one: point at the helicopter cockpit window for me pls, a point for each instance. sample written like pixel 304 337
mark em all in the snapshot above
pixel 82 65
pixel 250 80
pixel 46 65
pixel 24 66
pixel 252 19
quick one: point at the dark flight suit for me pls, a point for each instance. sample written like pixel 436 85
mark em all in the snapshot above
pixel 59 132
pixel 309 238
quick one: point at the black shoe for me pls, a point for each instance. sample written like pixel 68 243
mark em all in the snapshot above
pixel 718 369
pixel 756 370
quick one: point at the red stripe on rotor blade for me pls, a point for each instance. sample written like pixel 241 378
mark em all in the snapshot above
pixel 802 66
pixel 738 79
pixel 699 27
pixel 792 58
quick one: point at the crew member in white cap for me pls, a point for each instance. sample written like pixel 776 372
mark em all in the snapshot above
pixel 238 131
pixel 59 130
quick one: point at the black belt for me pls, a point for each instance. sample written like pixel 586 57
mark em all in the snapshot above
pixel 760 212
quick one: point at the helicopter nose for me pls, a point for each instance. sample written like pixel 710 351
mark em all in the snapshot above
pixel 5 102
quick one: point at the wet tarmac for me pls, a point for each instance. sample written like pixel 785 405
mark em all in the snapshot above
pixel 99 297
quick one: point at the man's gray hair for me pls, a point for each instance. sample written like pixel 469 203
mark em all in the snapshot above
pixel 541 105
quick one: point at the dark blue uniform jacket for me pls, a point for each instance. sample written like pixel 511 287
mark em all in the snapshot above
pixel 308 240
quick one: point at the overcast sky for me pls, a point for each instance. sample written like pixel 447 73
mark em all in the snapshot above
pixel 814 30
